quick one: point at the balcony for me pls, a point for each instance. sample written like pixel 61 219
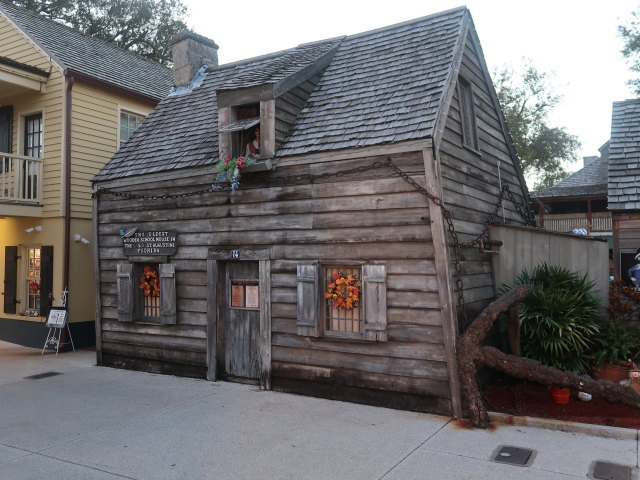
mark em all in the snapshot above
pixel 20 179
pixel 596 222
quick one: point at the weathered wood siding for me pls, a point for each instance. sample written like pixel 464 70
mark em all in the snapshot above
pixel 368 216
pixel 526 248
pixel 289 105
pixel 470 180
pixel 16 46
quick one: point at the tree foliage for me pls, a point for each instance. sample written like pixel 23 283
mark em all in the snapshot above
pixel 143 26
pixel 526 101
pixel 631 36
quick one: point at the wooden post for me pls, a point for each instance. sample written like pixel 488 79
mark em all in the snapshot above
pixel 265 323
pixel 441 254
pixel 96 277
pixel 212 318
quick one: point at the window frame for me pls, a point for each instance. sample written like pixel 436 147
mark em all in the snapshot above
pixel 134 113
pixel 25 134
pixel 468 123
pixel 311 318
pixel 324 316
pixel 130 298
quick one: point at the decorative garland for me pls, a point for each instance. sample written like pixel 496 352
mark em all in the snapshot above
pixel 149 282
pixel 343 291
pixel 229 169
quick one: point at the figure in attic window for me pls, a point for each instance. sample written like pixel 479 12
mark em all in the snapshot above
pixel 253 147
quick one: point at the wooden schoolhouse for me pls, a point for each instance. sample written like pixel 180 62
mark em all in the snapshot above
pixel 352 252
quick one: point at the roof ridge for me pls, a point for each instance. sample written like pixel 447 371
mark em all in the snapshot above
pixel 408 22
pixel 86 35
pixel 267 56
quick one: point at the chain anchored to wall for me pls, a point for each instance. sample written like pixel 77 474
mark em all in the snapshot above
pixel 311 178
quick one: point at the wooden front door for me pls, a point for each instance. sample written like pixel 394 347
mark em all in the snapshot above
pixel 242 321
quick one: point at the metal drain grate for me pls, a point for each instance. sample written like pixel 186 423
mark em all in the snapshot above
pixel 38 376
pixel 514 456
pixel 611 471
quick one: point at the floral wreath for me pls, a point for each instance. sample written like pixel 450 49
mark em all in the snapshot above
pixel 34 287
pixel 229 169
pixel 343 290
pixel 149 282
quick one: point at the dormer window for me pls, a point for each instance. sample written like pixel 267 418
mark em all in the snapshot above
pixel 242 134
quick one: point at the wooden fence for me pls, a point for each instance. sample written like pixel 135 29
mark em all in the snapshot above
pixel 525 247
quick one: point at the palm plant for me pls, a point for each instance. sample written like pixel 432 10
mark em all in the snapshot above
pixel 559 318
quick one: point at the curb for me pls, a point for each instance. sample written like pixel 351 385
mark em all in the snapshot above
pixel 618 433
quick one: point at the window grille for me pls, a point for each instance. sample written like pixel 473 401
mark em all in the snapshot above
pixel 340 317
pixel 33 278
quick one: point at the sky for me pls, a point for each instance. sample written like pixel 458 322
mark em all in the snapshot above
pixel 575 41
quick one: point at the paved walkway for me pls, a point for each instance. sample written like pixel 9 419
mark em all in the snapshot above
pixel 89 422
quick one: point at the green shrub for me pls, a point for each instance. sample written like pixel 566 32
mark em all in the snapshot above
pixel 559 318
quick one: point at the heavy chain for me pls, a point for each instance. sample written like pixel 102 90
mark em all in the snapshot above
pixel 311 178
pixel 448 217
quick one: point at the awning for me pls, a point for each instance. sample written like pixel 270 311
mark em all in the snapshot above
pixel 241 125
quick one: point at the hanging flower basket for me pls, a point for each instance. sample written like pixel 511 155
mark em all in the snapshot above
pixel 229 169
pixel 149 282
pixel 343 290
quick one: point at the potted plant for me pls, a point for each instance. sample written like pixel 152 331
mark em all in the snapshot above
pixel 618 341
pixel 558 319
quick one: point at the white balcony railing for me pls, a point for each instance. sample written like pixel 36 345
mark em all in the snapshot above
pixel 20 178
pixel 598 222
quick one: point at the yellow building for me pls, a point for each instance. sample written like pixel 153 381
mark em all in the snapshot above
pixel 67 102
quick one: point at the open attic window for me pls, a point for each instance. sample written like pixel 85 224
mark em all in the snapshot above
pixel 242 132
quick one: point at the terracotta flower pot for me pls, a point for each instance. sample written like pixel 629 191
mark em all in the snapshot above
pixel 615 372
pixel 560 395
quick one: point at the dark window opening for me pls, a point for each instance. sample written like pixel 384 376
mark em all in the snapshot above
pixel 33 136
pixel 467 115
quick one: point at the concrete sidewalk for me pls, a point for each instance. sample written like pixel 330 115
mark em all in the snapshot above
pixel 89 422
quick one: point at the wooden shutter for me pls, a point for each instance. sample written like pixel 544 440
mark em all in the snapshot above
pixel 167 273
pixel 46 280
pixel 10 279
pixel 125 292
pixel 374 281
pixel 309 317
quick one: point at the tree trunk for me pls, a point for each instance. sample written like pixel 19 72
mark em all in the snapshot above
pixel 471 355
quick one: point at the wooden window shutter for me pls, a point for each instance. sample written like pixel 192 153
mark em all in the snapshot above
pixel 308 320
pixel 167 273
pixel 374 281
pixel 46 280
pixel 125 291
pixel 10 279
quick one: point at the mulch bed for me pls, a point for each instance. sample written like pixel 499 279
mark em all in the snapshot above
pixel 533 400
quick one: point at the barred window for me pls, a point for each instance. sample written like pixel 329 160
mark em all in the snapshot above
pixel 343 300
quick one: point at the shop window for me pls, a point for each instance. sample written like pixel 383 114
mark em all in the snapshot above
pixel 28 280
pixel 32 280
pixel 129 123
pixel 347 301
pixel 146 292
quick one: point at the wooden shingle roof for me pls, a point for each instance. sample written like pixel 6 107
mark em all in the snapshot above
pixel 624 156
pixel 588 182
pixel 383 86
pixel 90 57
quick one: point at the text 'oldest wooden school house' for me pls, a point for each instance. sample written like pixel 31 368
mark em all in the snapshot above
pixel 363 140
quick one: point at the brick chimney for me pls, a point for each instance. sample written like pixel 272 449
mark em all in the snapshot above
pixel 190 51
